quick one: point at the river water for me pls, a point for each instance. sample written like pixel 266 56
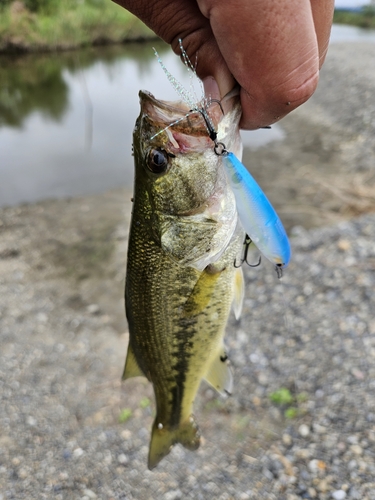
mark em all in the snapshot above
pixel 66 119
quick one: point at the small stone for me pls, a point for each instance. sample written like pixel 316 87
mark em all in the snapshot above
pixel 126 434
pixel 122 459
pixel 42 317
pixel 319 429
pixel 338 495
pixel 244 496
pixel 356 449
pixel 316 466
pixel 323 486
pixel 352 465
pixel 78 452
pixel 173 495
pixel 31 421
pixel 93 309
pixel 287 439
pixel 352 439
pixel 262 379
pixel 22 473
pixel 312 492
pixel 303 430
pixel 89 493
pixel 343 245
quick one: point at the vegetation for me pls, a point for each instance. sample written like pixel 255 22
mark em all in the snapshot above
pixel 364 18
pixel 125 414
pixel 37 25
pixel 288 402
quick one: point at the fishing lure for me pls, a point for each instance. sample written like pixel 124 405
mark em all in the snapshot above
pixel 258 217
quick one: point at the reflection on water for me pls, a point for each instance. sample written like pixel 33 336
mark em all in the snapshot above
pixel 66 119
pixel 36 86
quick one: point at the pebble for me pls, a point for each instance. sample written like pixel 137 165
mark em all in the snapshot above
pixel 122 459
pixel 338 495
pixel 356 449
pixel 303 430
pixel 78 452
pixel 173 495
pixel 89 493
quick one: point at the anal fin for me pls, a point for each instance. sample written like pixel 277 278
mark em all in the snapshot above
pixel 220 375
pixel 131 366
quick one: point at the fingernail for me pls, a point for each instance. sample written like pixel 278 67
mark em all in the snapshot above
pixel 211 88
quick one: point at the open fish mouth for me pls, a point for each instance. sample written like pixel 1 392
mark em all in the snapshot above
pixel 177 115
pixel 174 125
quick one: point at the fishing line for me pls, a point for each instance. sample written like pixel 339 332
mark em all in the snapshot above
pixel 89 108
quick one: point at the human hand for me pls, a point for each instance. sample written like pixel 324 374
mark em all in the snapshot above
pixel 273 49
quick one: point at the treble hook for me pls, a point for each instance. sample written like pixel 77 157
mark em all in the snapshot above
pixel 246 244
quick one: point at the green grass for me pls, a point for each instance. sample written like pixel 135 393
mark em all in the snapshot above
pixel 363 19
pixel 69 24
pixel 289 403
pixel 125 414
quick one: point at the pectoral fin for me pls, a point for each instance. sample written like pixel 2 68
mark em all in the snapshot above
pixel 220 375
pixel 238 292
pixel 162 439
pixel 131 366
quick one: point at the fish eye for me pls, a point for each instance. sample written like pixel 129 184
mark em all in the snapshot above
pixel 157 161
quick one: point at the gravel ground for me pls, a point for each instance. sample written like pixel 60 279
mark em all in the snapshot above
pixel 69 429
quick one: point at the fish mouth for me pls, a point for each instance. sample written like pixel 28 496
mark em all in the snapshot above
pixel 174 125
pixel 175 113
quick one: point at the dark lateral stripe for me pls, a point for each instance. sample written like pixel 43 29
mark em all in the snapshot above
pixel 187 331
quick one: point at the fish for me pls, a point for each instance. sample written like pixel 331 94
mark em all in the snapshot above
pixel 181 281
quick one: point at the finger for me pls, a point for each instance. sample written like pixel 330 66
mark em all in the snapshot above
pixel 271 49
pixel 322 12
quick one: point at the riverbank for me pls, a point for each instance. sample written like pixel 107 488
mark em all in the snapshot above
pixel 363 18
pixel 69 25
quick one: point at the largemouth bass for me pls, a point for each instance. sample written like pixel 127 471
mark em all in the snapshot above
pixel 181 279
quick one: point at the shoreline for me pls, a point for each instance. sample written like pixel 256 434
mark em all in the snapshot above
pixel 68 28
pixel 12 48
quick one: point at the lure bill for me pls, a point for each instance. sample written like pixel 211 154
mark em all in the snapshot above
pixel 258 217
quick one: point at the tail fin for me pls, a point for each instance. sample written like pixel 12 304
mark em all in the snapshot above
pixel 162 439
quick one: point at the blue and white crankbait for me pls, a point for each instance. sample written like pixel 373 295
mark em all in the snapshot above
pixel 258 217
